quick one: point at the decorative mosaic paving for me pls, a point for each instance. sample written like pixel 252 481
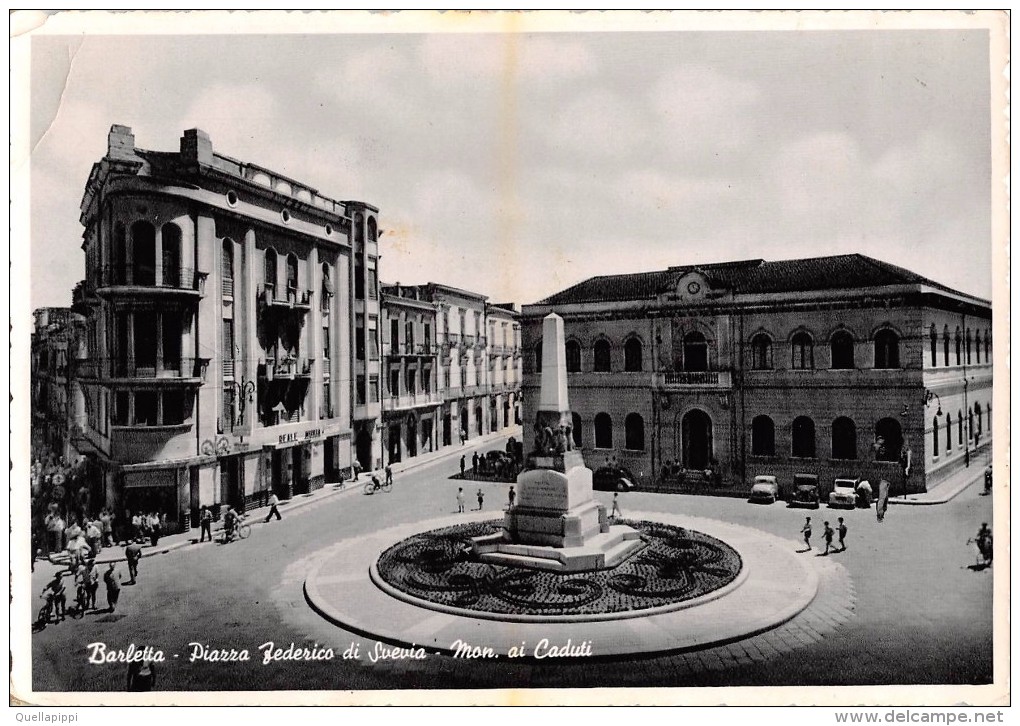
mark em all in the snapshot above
pixel 676 565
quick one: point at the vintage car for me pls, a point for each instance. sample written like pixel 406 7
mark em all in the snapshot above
pixel 765 489
pixel 844 493
pixel 612 479
pixel 805 491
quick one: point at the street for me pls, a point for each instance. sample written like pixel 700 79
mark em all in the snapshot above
pixel 921 614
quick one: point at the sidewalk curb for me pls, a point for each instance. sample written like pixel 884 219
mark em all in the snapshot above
pixel 951 494
pixel 327 490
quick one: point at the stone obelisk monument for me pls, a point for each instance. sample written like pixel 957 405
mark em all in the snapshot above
pixel 556 524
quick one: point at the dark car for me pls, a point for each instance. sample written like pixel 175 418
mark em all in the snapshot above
pixel 612 479
pixel 805 491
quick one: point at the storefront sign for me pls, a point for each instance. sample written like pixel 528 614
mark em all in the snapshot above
pixel 310 434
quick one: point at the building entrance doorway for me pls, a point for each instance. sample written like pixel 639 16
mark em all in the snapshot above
pixel 363 448
pixel 393 444
pixel 412 437
pixel 280 469
pixel 232 482
pixel 696 439
pixel 300 455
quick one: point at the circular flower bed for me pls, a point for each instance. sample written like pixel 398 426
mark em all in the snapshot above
pixel 675 565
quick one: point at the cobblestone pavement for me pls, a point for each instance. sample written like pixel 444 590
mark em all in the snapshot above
pixel 901 605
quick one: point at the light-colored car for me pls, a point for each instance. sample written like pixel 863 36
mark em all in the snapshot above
pixel 844 493
pixel 765 489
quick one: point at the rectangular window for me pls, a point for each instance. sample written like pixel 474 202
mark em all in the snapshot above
pixel 325 342
pixel 372 282
pixel 359 390
pixel 394 381
pixel 373 338
pixel 227 418
pixel 426 380
pixel 172 342
pixel 427 337
pixel 121 409
pixel 412 375
pixel 394 335
pixel 359 282
pixel 173 408
pixel 228 349
pixel 327 402
pixel 373 389
pixel 146 408
pixel 359 342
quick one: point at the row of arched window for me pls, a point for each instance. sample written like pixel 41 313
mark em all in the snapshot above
pixel 975 427
pixel 962 344
pixel 633 431
pixel 843 439
pixel 841 349
pixel 602 356
pixel 141 269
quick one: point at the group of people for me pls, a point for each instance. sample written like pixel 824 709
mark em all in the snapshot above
pixel 828 533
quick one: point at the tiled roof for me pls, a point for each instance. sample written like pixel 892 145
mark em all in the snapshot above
pixel 748 276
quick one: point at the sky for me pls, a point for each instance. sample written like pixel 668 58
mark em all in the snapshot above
pixel 516 165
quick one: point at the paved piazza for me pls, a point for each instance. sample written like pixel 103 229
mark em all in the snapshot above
pixel 901 606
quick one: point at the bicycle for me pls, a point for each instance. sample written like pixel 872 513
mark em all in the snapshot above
pixel 241 530
pixel 375 485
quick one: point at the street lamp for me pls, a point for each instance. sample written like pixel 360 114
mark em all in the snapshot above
pixel 244 389
pixel 928 396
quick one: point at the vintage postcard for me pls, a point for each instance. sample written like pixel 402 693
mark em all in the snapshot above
pixel 509 358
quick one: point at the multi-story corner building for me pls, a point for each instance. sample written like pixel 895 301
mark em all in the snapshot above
pixel 832 366
pixel 230 311
pixel 446 379
pixel 54 340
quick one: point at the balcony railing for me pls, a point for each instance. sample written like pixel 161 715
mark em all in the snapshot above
pixel 287 368
pixel 135 275
pixel 288 297
pixel 177 368
pixel 452 340
pixel 679 379
pixel 410 400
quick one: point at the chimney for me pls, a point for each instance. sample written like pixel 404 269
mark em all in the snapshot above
pixel 196 146
pixel 121 143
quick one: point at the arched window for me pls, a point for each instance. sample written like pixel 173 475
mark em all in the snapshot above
pixel 988 411
pixel 603 431
pixel 887 349
pixel 959 427
pixel 803 438
pixel 373 231
pixel 841 345
pixel 763 436
pixel 844 439
pixel 573 356
pixel 803 351
pixel 977 346
pixel 601 356
pixel 575 422
pixel 632 356
pixel 945 346
pixel 959 342
pixel 478 420
pixel 359 228
pixel 171 256
pixel 143 246
pixel 538 357
pixel 935 436
pixel 977 414
pixel 949 432
pixel 988 346
pixel 970 426
pixel 968 346
pixel 227 261
pixel 270 276
pixel 695 352
pixel 761 352
pixel 119 276
pixel 934 340
pixel 888 440
pixel 634 432
pixel 327 286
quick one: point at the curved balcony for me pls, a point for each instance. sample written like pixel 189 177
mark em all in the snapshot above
pixel 139 279
pixel 286 298
pixel 286 369
pixel 165 371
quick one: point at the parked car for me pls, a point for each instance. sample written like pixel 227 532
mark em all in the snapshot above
pixel 612 479
pixel 765 489
pixel 805 491
pixel 844 493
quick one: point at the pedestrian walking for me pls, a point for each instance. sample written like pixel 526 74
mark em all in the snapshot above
pixel 55 529
pixel 511 496
pixel 827 533
pixel 462 465
pixel 357 470
pixel 389 475
pixel 94 537
pixel 112 578
pixel 460 500
pixel 842 535
pixel 274 503
pixel 91 583
pixel 141 675
pixel 133 555
pixel 481 499
pixel 806 531
pixel 205 522
pixel 617 512
pixel 155 528
pixel 474 463
pixel 56 595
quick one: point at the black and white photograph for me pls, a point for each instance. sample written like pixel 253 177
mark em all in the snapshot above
pixel 505 358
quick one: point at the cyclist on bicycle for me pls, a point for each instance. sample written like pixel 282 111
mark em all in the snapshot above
pixel 229 523
pixel 56 597
pixel 376 484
